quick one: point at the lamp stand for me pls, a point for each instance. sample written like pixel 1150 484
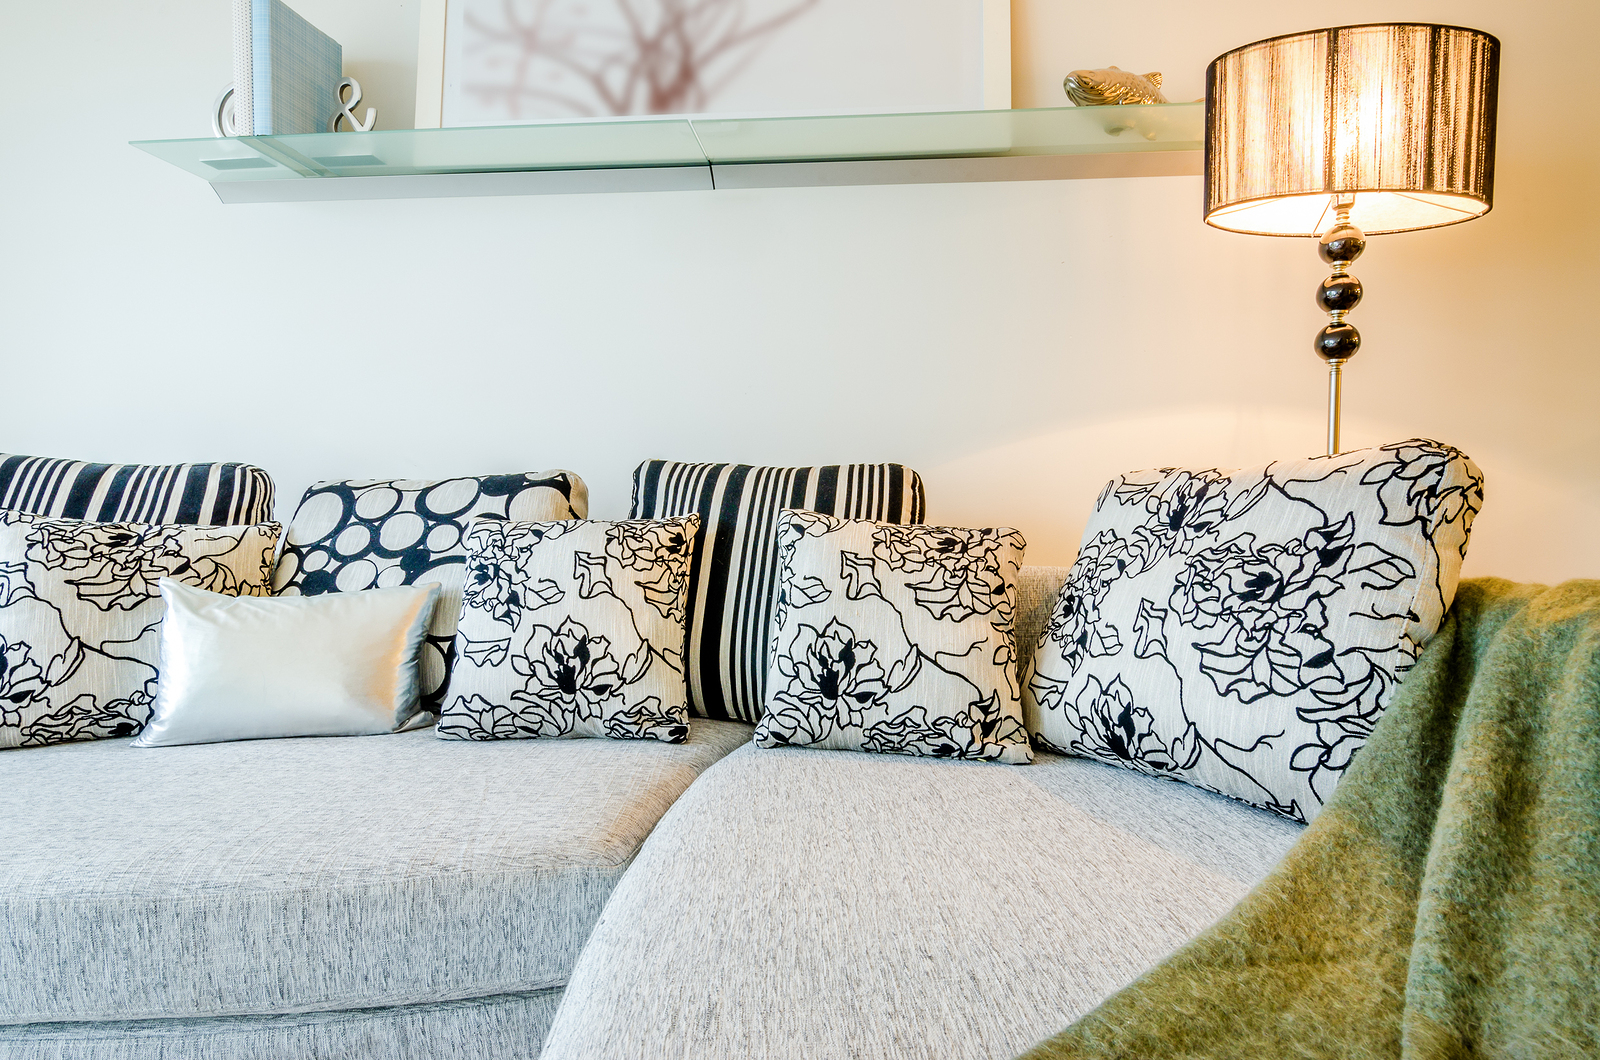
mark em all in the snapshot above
pixel 1337 342
pixel 1334 365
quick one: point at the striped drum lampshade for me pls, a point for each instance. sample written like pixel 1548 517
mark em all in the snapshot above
pixel 1341 133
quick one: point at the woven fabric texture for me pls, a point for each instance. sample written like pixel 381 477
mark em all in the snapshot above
pixel 282 876
pixel 864 905
pixel 1037 590
pixel 198 494
pixel 506 1027
pixel 1444 906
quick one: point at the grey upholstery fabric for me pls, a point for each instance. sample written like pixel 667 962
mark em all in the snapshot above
pixel 283 876
pixel 1037 589
pixel 865 905
pixel 509 1027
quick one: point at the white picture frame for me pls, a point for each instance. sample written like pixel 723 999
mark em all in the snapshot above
pixel 440 70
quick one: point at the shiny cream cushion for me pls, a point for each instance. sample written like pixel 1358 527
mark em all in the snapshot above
pixel 236 668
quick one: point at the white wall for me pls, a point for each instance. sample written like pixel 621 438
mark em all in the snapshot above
pixel 1018 343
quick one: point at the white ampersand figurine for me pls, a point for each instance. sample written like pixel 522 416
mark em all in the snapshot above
pixel 347 108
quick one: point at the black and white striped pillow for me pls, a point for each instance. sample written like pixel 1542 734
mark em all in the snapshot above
pixel 735 574
pixel 192 494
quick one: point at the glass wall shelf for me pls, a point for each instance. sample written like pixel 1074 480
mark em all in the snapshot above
pixel 704 153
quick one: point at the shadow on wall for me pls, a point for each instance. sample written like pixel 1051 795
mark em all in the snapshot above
pixel 1046 485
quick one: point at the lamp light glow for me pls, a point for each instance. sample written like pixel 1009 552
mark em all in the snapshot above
pixel 1402 116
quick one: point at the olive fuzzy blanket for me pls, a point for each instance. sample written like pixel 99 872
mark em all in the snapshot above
pixel 1446 902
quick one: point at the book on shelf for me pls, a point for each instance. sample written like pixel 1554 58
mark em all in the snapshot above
pixel 286 71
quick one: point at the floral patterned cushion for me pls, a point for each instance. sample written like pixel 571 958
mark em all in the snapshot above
pixel 1243 631
pixel 364 533
pixel 572 629
pixel 80 616
pixel 895 639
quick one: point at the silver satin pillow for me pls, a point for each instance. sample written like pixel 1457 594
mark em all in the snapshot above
pixel 344 664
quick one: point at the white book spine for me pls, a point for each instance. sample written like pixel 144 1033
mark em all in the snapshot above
pixel 243 71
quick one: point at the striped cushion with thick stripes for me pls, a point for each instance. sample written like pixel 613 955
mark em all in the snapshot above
pixel 735 575
pixel 192 494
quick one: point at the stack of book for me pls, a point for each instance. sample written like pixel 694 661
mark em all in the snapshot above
pixel 286 71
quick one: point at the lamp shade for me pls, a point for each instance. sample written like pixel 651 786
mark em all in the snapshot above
pixel 1399 116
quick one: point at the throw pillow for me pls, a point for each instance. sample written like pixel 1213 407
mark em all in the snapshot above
pixel 251 668
pixel 895 639
pixel 194 494
pixel 734 578
pixel 80 615
pixel 1244 630
pixel 367 533
pixel 572 629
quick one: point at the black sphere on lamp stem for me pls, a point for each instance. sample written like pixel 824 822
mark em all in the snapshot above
pixel 1338 341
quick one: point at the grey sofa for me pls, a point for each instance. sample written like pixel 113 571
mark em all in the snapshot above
pixel 402 896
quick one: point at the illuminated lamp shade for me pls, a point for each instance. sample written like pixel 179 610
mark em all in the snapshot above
pixel 1341 133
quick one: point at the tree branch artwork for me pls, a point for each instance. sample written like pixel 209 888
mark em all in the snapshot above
pixel 594 58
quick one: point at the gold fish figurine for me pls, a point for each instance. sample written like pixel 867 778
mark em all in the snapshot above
pixel 1101 88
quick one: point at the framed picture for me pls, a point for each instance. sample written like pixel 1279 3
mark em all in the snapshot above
pixel 502 62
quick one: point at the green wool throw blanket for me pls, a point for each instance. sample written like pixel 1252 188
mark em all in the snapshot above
pixel 1446 902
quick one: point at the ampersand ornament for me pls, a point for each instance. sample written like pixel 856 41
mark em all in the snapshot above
pixel 347 108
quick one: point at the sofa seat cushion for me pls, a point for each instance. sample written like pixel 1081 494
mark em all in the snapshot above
pixel 286 876
pixel 507 1027
pixel 862 905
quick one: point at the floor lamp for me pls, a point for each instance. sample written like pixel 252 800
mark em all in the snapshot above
pixel 1342 133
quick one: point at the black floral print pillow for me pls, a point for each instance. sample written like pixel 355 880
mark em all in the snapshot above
pixel 1244 630
pixel 572 628
pixel 80 616
pixel 896 639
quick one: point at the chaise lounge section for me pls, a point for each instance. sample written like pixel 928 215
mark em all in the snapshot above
pixel 799 903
